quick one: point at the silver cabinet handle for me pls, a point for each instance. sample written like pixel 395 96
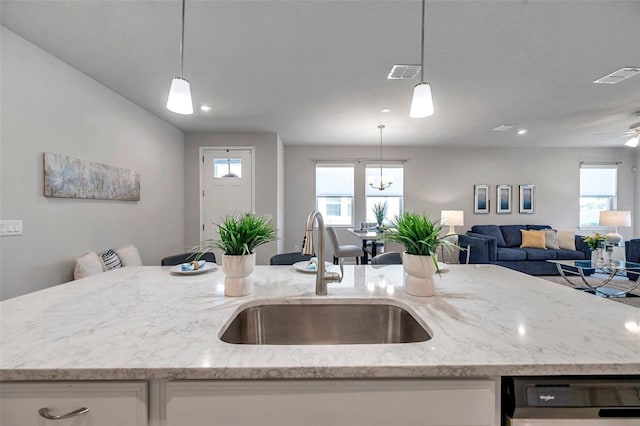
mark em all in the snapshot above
pixel 44 412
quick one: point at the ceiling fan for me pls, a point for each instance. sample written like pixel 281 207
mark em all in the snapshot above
pixel 633 133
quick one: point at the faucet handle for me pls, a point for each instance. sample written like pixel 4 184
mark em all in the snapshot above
pixel 341 262
pixel 334 276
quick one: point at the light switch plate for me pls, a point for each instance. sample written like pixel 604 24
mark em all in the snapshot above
pixel 10 227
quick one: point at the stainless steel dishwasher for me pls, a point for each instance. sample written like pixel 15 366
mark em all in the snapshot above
pixel 571 401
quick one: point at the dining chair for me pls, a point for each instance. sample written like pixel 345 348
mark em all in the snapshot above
pixel 178 259
pixel 388 258
pixel 343 250
pixel 288 258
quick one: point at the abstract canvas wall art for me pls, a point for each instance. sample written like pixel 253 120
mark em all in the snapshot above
pixel 503 196
pixel 66 177
pixel 481 199
pixel 526 198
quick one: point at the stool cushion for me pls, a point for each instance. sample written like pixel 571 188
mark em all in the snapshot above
pixel 349 250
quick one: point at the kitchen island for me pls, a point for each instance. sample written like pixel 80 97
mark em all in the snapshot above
pixel 144 323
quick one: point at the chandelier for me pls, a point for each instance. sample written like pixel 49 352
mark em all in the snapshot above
pixel 385 181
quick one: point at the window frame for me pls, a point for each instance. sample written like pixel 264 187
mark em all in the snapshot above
pixel 400 182
pixel 352 197
pixel 612 199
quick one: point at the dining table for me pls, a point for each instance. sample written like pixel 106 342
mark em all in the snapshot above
pixel 366 236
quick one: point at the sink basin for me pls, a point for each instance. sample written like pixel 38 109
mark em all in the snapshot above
pixel 324 324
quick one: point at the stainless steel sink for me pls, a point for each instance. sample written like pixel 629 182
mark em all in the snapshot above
pixel 324 324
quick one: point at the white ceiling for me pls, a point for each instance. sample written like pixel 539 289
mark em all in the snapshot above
pixel 315 71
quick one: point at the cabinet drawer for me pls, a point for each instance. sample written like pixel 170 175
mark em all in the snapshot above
pixel 109 403
pixel 331 402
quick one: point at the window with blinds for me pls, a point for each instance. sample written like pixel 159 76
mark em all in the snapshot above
pixel 334 193
pixel 598 191
pixel 392 196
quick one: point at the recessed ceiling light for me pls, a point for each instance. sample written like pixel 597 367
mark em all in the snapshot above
pixel 522 131
pixel 205 108
pixel 385 110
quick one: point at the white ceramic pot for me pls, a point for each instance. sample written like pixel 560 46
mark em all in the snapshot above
pixel 420 277
pixel 238 269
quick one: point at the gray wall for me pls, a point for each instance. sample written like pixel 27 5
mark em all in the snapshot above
pixel 266 179
pixel 636 191
pixel 49 106
pixel 442 179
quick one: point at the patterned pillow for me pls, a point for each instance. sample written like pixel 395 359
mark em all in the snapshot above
pixel 110 260
pixel 551 238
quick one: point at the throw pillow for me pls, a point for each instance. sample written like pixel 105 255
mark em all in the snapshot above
pixel 566 239
pixel 110 260
pixel 86 265
pixel 490 231
pixel 533 239
pixel 551 238
pixel 129 256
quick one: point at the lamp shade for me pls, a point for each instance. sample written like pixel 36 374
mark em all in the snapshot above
pixel 179 100
pixel 452 217
pixel 422 103
pixel 615 218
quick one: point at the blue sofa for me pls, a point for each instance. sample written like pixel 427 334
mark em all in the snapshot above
pixel 632 254
pixel 500 245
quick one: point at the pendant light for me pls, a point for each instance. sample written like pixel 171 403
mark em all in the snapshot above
pixel 422 103
pixel 384 182
pixel 179 100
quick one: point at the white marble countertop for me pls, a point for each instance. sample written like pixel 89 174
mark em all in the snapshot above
pixel 145 323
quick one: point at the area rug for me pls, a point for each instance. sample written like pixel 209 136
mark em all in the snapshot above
pixel 621 283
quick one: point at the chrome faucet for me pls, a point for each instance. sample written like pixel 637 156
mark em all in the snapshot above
pixel 322 277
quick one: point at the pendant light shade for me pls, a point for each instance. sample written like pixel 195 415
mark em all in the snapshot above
pixel 422 103
pixel 179 100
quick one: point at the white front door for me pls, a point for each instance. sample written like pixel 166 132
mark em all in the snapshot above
pixel 227 186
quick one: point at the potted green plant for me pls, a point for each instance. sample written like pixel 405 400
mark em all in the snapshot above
pixel 420 237
pixel 380 211
pixel 594 242
pixel 239 236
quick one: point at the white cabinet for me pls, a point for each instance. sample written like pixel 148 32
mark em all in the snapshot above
pixel 109 403
pixel 330 402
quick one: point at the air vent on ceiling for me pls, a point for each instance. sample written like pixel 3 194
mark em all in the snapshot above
pixel 504 127
pixel 404 72
pixel 618 76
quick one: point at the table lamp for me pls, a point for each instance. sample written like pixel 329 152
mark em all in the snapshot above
pixel 452 218
pixel 614 218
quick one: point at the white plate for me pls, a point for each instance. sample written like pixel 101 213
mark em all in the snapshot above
pixel 303 266
pixel 443 267
pixel 209 266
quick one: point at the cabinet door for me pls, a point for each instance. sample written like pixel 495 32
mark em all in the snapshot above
pixel 109 403
pixel 332 403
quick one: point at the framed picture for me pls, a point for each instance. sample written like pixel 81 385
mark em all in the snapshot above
pixel 503 197
pixel 481 199
pixel 526 198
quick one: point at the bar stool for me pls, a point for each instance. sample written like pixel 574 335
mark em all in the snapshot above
pixel 344 250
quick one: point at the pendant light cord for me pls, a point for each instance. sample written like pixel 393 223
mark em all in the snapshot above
pixel 182 43
pixel 422 45
pixel 381 126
